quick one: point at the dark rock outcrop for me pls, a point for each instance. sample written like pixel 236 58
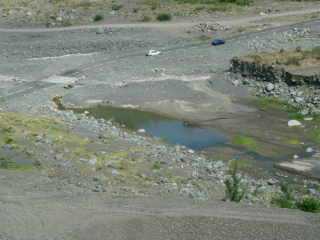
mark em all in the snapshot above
pixel 271 73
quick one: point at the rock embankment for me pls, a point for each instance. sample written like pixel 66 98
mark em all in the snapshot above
pixel 272 73
pixel 300 88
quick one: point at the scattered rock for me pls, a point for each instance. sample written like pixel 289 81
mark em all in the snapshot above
pixel 115 172
pixel 59 19
pixel 153 52
pixel 99 188
pixel 270 87
pixel 272 181
pixel 211 27
pixel 309 150
pixel 191 151
pixel 308 119
pixel 236 82
pixel 142 131
pixel 93 161
pixel 302 167
pixel 100 31
pixel 294 123
pixel 68 86
pixel 312 191
pixel 299 89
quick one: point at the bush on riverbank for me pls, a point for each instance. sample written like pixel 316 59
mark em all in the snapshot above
pixel 162 17
pixel 309 204
pixel 287 199
pixel 235 187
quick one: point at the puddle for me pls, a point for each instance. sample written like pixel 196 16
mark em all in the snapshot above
pixel 171 130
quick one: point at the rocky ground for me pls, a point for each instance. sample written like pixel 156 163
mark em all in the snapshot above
pixel 74 12
pixel 291 76
pixel 70 176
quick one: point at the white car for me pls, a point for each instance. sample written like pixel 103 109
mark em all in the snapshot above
pixel 153 53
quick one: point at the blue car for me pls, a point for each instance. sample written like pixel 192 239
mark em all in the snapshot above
pixel 217 42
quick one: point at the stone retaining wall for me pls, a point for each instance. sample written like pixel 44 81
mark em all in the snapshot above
pixel 269 73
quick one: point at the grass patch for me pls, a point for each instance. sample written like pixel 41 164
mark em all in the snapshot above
pixel 153 4
pixel 22 132
pixel 275 103
pixel 145 18
pixel 245 141
pixel 294 58
pixel 293 141
pixel 265 103
pixel 215 5
pixel 156 165
pixel 315 135
pixel 8 164
pixel 314 131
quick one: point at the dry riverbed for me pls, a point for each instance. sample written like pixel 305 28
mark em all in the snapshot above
pixel 93 132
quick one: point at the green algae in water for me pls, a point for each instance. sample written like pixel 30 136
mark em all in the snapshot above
pixel 245 141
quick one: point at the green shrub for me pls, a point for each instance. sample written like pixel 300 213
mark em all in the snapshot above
pixel 309 204
pixel 164 17
pixel 116 7
pixel 286 198
pixel 156 165
pixel 8 140
pixel 235 187
pixel 4 163
pixel 98 17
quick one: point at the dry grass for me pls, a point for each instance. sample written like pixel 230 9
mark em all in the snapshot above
pixel 293 58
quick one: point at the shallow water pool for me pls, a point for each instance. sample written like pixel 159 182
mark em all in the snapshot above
pixel 171 130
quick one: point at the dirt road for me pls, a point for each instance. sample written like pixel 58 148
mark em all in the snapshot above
pixel 94 217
